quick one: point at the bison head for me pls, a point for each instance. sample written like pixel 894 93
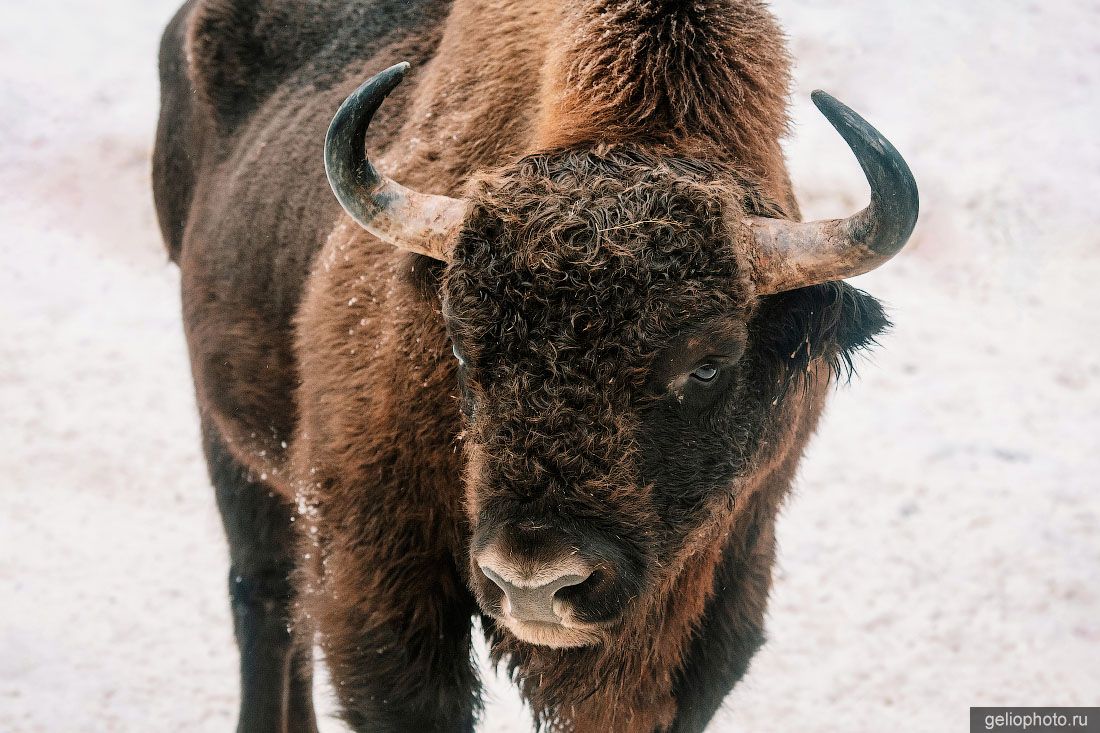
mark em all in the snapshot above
pixel 629 325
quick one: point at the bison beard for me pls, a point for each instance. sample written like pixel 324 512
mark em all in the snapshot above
pixel 605 249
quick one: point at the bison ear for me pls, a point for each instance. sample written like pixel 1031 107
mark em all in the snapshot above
pixel 831 321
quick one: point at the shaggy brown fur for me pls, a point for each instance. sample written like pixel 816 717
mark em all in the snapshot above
pixel 601 251
pixel 710 78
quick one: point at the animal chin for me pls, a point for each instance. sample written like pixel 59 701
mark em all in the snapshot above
pixel 555 636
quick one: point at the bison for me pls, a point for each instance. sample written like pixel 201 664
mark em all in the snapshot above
pixel 557 379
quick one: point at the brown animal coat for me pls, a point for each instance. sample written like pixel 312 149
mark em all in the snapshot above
pixel 321 356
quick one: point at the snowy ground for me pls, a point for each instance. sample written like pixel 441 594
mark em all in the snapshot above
pixel 941 550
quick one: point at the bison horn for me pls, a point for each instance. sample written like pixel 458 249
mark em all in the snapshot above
pixel 407 219
pixel 791 255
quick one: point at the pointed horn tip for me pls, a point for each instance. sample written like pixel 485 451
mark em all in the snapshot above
pixel 832 108
pixel 382 83
pixel 823 100
pixel 388 78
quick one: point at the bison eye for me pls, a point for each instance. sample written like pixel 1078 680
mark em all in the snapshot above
pixel 454 350
pixel 705 373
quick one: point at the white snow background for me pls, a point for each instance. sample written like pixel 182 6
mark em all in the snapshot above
pixel 940 550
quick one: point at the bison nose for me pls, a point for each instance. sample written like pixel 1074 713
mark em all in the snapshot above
pixel 530 596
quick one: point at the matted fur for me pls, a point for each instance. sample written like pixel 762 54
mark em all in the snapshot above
pixel 689 73
pixel 603 230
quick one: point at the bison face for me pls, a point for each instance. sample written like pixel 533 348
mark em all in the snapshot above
pixel 616 381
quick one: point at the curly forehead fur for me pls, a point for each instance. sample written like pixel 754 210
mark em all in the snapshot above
pixel 615 237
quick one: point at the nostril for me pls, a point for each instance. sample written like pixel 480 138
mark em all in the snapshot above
pixel 561 595
pixel 497 580
pixel 567 581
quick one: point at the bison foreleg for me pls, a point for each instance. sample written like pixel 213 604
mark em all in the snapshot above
pixel 394 624
pixel 276 687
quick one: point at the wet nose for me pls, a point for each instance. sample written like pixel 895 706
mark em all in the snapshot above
pixel 530 596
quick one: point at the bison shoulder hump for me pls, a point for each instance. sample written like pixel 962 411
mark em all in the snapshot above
pixel 239 51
